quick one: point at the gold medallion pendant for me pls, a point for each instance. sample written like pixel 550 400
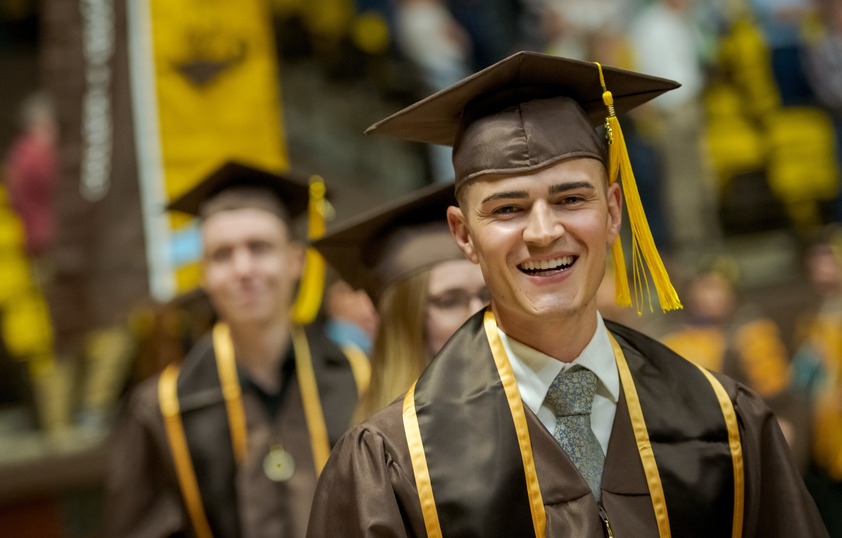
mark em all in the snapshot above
pixel 278 464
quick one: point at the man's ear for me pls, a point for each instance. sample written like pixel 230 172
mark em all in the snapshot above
pixel 460 232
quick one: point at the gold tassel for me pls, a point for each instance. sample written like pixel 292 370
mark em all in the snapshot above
pixel 621 279
pixel 644 252
pixel 310 290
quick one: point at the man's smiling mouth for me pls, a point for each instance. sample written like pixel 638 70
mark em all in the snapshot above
pixel 547 267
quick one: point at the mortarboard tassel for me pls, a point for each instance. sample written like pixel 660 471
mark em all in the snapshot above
pixel 643 245
pixel 310 291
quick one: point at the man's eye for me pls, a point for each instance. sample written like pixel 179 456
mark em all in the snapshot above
pixel 448 301
pixel 451 299
pixel 220 255
pixel 260 247
pixel 505 210
pixel 570 200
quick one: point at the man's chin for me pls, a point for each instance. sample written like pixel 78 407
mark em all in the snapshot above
pixel 247 314
pixel 548 308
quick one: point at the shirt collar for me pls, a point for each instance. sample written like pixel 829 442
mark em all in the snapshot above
pixel 535 371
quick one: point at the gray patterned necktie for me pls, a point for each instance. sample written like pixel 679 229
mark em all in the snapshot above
pixel 571 397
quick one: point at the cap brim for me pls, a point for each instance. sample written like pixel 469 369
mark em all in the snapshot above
pixel 436 119
pixel 344 247
pixel 292 191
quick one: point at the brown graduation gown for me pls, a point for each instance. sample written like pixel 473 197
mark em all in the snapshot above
pixel 143 495
pixel 368 487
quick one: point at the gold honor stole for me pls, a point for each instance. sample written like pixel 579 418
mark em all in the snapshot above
pixel 232 395
pixel 467 479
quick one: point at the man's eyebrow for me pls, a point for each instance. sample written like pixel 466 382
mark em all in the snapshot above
pixel 573 185
pixel 506 195
pixel 555 189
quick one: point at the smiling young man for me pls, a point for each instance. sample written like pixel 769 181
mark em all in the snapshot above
pixel 539 418
pixel 230 442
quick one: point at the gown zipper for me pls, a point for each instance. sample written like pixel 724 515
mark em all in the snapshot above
pixel 603 515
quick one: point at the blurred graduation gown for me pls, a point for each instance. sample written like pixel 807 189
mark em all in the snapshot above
pixel 151 490
pixel 480 490
pixel 144 498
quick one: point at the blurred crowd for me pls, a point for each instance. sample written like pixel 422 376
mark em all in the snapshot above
pixel 750 145
pixel 758 111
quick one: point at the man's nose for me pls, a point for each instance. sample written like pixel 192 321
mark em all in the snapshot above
pixel 542 226
pixel 476 303
pixel 243 262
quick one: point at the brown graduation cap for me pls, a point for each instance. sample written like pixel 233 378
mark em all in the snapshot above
pixel 394 241
pixel 235 184
pixel 523 113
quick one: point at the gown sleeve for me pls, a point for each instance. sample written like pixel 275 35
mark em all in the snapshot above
pixel 142 499
pixel 777 501
pixel 365 491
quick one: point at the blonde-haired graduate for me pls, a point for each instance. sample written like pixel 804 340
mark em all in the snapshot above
pixel 403 255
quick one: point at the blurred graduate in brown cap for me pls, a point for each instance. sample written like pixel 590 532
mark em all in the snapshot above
pixel 538 417
pixel 403 255
pixel 230 442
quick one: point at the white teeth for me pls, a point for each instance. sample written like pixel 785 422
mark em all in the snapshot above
pixel 547 264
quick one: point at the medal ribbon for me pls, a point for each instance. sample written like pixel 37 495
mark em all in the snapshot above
pixel 306 380
pixel 306 375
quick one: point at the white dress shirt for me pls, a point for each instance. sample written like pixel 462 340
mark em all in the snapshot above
pixel 535 371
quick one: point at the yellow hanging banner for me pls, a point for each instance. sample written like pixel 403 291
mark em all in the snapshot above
pixel 218 95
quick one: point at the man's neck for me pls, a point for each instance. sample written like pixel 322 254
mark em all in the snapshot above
pixel 563 339
pixel 259 349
